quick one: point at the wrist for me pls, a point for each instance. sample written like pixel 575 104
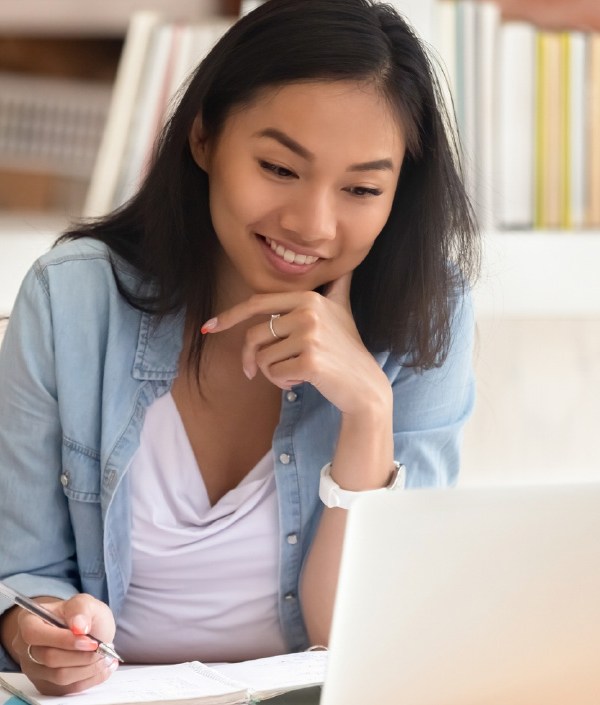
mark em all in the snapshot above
pixel 374 400
pixel 332 495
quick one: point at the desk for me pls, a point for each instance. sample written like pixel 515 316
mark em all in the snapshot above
pixel 307 696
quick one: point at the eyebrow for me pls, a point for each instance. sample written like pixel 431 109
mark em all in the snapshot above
pixel 297 148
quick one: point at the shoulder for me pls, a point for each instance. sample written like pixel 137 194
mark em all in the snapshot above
pixel 83 260
pixel 80 282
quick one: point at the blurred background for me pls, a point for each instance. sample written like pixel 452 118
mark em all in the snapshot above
pixel 84 86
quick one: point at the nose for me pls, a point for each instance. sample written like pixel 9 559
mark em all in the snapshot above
pixel 311 216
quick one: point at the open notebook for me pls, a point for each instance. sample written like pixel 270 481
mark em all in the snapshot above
pixel 472 596
pixel 187 683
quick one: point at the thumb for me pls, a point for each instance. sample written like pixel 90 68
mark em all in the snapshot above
pixel 84 615
pixel 339 290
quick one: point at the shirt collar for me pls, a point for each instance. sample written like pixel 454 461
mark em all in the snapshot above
pixel 160 341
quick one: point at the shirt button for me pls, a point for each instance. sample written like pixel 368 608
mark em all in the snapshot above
pixel 64 479
pixel 292 539
pixel 288 597
pixel 291 396
pixel 284 458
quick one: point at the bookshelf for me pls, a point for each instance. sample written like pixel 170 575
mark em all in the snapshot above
pixel 546 268
pixel 542 273
pixel 58 62
pixel 92 18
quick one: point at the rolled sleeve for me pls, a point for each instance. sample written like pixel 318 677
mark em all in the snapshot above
pixel 431 408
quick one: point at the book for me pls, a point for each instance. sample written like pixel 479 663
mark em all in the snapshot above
pixel 577 129
pixel 190 683
pixel 157 58
pixel 445 43
pixel 466 92
pixel 515 139
pixel 487 25
pixel 593 132
pixel 109 162
pixel 551 185
pixel 147 117
pixel 247 6
pixel 420 14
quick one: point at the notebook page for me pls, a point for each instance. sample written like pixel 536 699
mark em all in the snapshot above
pixel 139 684
pixel 279 673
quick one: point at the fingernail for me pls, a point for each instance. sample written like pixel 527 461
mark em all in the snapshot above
pixel 108 660
pixel 85 645
pixel 247 373
pixel 79 625
pixel 114 665
pixel 209 325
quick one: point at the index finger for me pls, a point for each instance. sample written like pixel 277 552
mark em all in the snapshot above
pixel 259 304
pixel 35 631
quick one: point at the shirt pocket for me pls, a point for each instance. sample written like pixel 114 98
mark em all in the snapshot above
pixel 81 482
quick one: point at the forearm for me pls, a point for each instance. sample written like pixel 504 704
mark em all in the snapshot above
pixel 363 461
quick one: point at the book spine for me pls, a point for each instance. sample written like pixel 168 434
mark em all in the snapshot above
pixel 515 136
pixel 551 110
pixel 466 93
pixel 593 132
pixel 577 128
pixel 487 22
pixel 109 162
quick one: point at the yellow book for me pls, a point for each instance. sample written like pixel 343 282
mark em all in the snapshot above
pixel 593 132
pixel 552 131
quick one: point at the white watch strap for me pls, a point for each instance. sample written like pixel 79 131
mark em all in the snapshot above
pixel 332 495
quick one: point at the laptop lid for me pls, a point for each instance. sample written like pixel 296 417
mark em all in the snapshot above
pixel 469 596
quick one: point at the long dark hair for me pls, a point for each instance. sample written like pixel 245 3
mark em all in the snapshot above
pixel 404 292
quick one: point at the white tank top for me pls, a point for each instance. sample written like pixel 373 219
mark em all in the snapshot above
pixel 205 579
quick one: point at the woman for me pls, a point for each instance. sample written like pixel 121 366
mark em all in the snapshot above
pixel 280 312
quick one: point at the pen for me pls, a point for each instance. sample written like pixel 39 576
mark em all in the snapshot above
pixel 27 604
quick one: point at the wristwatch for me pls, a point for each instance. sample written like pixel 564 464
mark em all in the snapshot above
pixel 332 495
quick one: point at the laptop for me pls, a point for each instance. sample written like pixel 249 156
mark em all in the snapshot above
pixel 469 596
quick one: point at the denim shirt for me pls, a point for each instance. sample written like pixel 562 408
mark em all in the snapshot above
pixel 78 369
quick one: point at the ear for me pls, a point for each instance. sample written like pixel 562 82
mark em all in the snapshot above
pixel 199 143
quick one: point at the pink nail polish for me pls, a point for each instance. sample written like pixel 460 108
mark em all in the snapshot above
pixel 209 325
pixel 79 625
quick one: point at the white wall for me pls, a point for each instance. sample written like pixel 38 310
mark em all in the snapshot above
pixel 537 415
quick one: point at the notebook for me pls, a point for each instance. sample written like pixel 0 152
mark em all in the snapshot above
pixel 470 596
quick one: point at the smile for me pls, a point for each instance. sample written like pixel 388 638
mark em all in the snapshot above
pixel 289 256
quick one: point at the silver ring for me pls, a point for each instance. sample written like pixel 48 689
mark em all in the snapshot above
pixel 274 316
pixel 32 657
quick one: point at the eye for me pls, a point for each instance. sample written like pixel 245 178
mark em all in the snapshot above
pixel 362 191
pixel 277 170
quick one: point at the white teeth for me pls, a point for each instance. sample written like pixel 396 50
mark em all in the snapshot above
pixel 289 255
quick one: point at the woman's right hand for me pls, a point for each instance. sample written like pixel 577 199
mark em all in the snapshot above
pixel 62 661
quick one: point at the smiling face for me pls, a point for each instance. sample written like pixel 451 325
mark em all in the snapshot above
pixel 301 183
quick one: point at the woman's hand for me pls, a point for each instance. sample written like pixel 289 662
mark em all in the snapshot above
pixel 317 342
pixel 62 661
